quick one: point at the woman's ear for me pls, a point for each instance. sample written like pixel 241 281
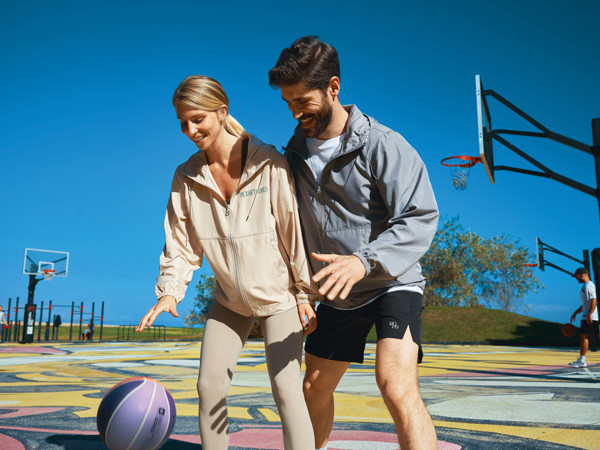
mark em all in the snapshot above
pixel 222 112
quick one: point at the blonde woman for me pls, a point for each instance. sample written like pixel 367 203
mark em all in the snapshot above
pixel 232 203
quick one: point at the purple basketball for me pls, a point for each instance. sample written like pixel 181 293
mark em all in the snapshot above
pixel 136 414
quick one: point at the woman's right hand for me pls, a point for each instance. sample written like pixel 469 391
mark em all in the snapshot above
pixel 166 303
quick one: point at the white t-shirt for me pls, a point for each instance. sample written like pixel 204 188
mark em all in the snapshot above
pixel 588 292
pixel 321 151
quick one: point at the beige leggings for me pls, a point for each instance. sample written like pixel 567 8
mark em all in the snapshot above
pixel 225 333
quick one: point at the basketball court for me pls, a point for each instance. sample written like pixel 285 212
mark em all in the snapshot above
pixel 479 396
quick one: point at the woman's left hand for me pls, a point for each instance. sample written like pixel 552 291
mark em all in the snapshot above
pixel 308 317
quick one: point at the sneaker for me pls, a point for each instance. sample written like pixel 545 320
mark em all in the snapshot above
pixel 578 364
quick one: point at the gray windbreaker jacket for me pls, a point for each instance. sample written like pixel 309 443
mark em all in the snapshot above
pixel 374 201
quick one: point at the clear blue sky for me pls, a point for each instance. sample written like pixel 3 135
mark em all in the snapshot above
pixel 89 139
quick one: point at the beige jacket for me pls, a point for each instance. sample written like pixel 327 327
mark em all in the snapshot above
pixel 253 244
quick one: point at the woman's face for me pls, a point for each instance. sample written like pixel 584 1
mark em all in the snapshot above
pixel 202 127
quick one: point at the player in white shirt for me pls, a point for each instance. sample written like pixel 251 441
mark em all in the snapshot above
pixel 589 319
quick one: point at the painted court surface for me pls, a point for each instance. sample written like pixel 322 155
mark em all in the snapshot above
pixel 480 397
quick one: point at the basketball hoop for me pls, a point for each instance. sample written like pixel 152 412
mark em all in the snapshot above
pixel 48 273
pixel 460 167
pixel 529 265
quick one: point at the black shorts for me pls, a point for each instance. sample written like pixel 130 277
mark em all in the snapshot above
pixel 586 328
pixel 341 334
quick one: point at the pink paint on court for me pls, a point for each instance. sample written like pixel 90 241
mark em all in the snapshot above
pixel 49 430
pixel 271 438
pixel 27 411
pixel 27 349
pixel 8 443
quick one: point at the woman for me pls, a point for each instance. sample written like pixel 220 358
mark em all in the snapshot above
pixel 232 202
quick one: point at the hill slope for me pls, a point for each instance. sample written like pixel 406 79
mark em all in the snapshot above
pixel 480 324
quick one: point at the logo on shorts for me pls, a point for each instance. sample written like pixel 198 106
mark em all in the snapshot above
pixel 394 325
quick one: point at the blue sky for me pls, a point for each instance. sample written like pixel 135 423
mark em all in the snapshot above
pixel 90 141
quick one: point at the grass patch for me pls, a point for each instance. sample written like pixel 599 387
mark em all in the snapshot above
pixel 477 324
pixel 124 333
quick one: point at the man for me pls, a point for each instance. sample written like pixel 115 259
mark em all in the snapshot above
pixel 2 317
pixel 89 333
pixel 3 324
pixel 368 215
pixel 589 315
pixel 55 326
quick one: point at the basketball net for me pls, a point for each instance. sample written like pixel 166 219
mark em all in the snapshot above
pixel 460 166
pixel 459 177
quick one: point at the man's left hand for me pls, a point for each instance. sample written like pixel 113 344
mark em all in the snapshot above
pixel 342 272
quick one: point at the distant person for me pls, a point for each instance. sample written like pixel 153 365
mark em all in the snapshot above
pixel 56 324
pixel 233 203
pixel 368 215
pixel 589 315
pixel 89 333
pixel 3 318
pixel 4 326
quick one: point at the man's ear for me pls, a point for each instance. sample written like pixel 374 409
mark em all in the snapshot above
pixel 333 89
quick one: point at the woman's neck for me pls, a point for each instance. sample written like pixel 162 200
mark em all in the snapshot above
pixel 225 149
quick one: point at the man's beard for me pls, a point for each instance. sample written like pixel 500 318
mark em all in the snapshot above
pixel 322 121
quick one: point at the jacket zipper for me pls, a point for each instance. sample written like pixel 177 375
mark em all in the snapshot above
pixel 236 258
pixel 321 218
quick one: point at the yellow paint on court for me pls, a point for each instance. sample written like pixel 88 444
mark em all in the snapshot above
pixel 588 439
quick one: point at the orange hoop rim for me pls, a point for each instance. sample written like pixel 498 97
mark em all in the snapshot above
pixel 470 161
pixel 48 271
pixel 529 265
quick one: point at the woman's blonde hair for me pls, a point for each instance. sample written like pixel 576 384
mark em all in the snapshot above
pixel 207 94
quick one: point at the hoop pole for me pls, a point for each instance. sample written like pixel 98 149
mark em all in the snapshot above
pixel 596 153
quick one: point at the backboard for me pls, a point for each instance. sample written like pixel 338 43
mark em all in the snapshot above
pixel 36 261
pixel 484 125
pixel 539 253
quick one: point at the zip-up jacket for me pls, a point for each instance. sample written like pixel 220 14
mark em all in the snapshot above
pixel 374 201
pixel 253 243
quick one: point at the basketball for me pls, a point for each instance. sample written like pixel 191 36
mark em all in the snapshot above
pixel 136 414
pixel 568 330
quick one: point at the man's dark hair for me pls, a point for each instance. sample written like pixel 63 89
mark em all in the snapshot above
pixel 308 60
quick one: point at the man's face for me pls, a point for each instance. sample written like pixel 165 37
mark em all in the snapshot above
pixel 312 108
pixel 579 277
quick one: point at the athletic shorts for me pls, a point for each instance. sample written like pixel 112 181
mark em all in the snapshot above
pixel 588 328
pixel 341 334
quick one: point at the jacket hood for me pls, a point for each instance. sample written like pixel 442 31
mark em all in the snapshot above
pixel 196 167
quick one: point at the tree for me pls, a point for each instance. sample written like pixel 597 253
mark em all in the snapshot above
pixel 205 295
pixel 205 291
pixel 465 269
